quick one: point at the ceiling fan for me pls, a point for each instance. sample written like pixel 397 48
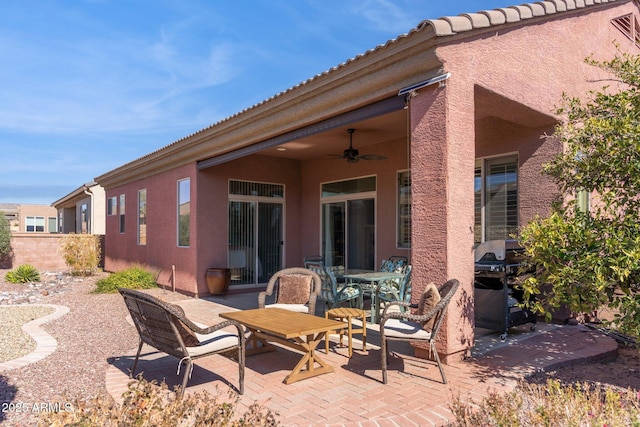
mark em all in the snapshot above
pixel 352 155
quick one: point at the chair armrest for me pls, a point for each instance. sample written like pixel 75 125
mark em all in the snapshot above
pixel 262 297
pixel 342 287
pixel 409 316
pixel 312 303
pixel 218 326
pixel 178 312
pixel 389 305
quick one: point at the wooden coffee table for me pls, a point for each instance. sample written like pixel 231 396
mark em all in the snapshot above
pixel 297 331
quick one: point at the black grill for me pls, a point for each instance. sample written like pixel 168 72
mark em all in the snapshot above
pixel 497 264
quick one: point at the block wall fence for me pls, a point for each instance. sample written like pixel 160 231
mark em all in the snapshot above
pixel 40 250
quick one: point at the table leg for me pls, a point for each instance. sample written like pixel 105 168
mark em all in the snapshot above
pixel 349 330
pixel 309 358
pixel 374 303
pixel 256 344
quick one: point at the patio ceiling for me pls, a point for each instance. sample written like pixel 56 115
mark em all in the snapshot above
pixel 368 132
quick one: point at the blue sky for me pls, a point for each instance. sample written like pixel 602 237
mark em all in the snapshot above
pixel 89 85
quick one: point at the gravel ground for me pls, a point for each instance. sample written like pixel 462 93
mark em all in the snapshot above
pixel 94 330
pixel 14 342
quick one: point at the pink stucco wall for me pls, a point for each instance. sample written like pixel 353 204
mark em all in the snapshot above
pixel 315 172
pixel 213 184
pixel 161 251
pixel 209 209
pixel 522 72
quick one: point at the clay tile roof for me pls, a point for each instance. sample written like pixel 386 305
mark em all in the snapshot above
pixel 450 25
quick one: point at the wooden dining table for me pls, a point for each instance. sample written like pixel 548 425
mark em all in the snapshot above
pixel 297 331
pixel 372 280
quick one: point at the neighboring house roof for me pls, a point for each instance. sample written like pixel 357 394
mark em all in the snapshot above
pixel 266 119
pixel 70 199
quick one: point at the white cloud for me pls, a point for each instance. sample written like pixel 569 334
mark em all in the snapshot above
pixel 101 84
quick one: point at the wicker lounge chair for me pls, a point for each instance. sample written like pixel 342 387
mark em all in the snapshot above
pixel 164 327
pixel 295 289
pixel 404 326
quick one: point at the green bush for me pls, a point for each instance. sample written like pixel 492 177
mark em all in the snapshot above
pixel 25 273
pixel 81 252
pixel 5 236
pixel 552 404
pixel 131 278
pixel 147 404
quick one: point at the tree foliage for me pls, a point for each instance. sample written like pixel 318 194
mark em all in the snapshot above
pixel 592 258
pixel 5 236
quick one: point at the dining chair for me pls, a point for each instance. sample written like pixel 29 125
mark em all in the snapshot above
pixel 294 289
pixel 333 293
pixel 422 326
pixel 393 264
pixel 392 291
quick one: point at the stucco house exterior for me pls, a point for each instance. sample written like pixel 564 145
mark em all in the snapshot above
pixel 82 211
pixel 449 117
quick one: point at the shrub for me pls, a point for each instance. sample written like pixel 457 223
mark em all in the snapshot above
pixel 81 253
pixel 25 273
pixel 5 236
pixel 131 278
pixel 147 404
pixel 552 404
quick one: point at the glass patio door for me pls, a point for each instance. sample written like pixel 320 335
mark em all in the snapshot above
pixel 348 233
pixel 255 232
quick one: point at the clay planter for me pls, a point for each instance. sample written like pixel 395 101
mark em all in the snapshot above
pixel 218 280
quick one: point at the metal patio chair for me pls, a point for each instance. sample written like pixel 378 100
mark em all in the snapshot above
pixel 333 293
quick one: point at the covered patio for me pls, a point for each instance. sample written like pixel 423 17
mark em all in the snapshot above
pixel 454 110
pixel 354 395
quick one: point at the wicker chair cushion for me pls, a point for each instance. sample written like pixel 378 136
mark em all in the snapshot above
pixel 398 328
pixel 188 336
pixel 429 299
pixel 214 342
pixel 294 289
pixel 300 308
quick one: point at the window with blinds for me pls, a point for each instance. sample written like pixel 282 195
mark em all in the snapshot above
pixel 496 199
pixel 256 225
pixel 404 209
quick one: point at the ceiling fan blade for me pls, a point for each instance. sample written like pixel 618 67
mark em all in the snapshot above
pixel 372 157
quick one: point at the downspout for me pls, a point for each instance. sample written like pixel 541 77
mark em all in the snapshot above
pixel 90 194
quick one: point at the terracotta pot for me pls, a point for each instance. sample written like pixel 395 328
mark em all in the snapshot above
pixel 218 280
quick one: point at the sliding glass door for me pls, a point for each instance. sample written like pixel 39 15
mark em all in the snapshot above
pixel 348 223
pixel 255 232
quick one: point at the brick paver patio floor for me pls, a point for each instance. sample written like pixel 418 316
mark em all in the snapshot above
pixel 354 395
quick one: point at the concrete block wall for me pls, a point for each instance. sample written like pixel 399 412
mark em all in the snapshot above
pixel 40 250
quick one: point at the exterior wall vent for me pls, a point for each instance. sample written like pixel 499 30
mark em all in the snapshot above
pixel 629 26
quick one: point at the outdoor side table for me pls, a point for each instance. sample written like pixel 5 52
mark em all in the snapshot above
pixel 345 313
